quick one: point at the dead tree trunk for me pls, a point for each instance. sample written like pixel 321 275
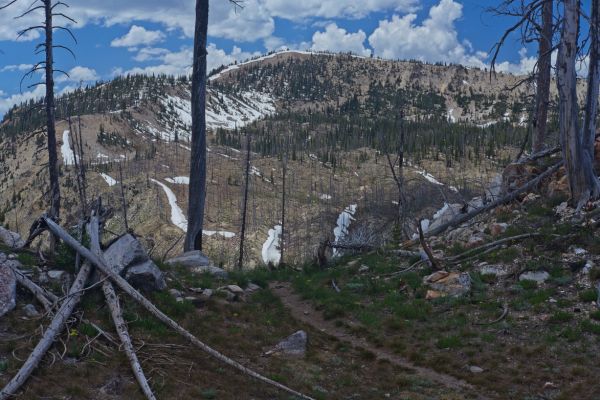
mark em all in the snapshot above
pixel 583 184
pixel 591 106
pixel 282 241
pixel 51 118
pixel 245 204
pixel 543 79
pixel 123 199
pixel 197 187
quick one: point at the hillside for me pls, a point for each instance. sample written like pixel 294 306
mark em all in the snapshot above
pixel 334 114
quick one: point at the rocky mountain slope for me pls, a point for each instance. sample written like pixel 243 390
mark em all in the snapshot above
pixel 331 110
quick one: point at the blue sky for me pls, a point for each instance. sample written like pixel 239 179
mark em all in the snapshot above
pixel 154 36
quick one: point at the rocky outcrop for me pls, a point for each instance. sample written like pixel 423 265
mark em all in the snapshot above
pixel 128 258
pixel 293 345
pixel 443 283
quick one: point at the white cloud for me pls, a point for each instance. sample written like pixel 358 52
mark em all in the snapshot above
pixel 297 10
pixel 138 35
pixel 6 102
pixel 338 39
pixel 150 53
pixel 436 39
pixel 525 66
pixel 19 67
pixel 79 74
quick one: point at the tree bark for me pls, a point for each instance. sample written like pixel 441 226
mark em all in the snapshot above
pixel 591 107
pixel 544 76
pixel 197 187
pixel 583 184
pixel 51 118
pixel 245 204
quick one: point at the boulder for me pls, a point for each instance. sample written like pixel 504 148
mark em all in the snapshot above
pixel 535 276
pixel 146 276
pixel 293 345
pixel 30 311
pixel 445 283
pixel 11 239
pixel 497 229
pixel 197 262
pixel 251 288
pixel 8 289
pixel 126 251
pixel 127 257
pixel 496 270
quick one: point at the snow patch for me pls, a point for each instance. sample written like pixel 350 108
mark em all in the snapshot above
pixel 179 180
pixel 67 153
pixel 343 224
pixel 271 252
pixel 111 181
pixel 325 197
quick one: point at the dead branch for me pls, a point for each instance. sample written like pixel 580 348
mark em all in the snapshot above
pixel 490 245
pixel 434 263
pixel 50 334
pixel 500 318
pixel 46 298
pixel 472 214
pixel 150 307
pixel 117 316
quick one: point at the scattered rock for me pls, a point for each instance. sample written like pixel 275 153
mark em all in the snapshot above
pixel 11 239
pixel 293 345
pixel 475 369
pixel 535 276
pixel 496 270
pixel 128 257
pixel 497 229
pixel 56 275
pixel 207 293
pixel 30 311
pixel 475 241
pixel 197 262
pixel 3 257
pixel 114 387
pixel 175 293
pixel 235 289
pixel 363 269
pixel 445 283
pixel 8 289
pixel 251 288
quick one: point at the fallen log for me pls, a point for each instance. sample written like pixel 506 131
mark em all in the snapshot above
pixel 46 298
pixel 150 307
pixel 490 245
pixel 460 219
pixel 56 326
pixel 117 316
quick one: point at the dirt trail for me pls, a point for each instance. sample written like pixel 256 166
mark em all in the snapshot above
pixel 303 311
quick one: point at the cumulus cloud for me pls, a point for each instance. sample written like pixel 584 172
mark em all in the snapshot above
pixel 297 10
pixel 435 39
pixel 138 35
pixel 525 66
pixel 79 74
pixel 338 39
pixel 19 67
pixel 6 102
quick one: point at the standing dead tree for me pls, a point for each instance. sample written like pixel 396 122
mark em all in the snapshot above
pixel 535 23
pixel 245 202
pixel 47 47
pixel 577 144
pixel 399 176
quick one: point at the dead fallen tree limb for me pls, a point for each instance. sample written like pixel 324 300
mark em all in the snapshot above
pixel 46 298
pixel 490 245
pixel 434 263
pixel 55 327
pixel 537 156
pixel 137 296
pixel 460 219
pixel 117 316
pixel 500 318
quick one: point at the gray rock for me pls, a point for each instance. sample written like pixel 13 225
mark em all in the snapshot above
pixel 3 257
pixel 30 311
pixel 8 289
pixel 293 345
pixel 252 288
pixel 197 262
pixel 207 293
pixel 363 268
pixel 536 276
pixel 447 284
pixel 496 270
pixel 475 369
pixel 174 292
pixel 56 275
pixel 235 289
pixel 126 251
pixel 11 239
pixel 146 276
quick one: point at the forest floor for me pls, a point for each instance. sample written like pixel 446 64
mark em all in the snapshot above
pixel 377 337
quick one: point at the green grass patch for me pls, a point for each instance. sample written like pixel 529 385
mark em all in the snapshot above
pixel 449 342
